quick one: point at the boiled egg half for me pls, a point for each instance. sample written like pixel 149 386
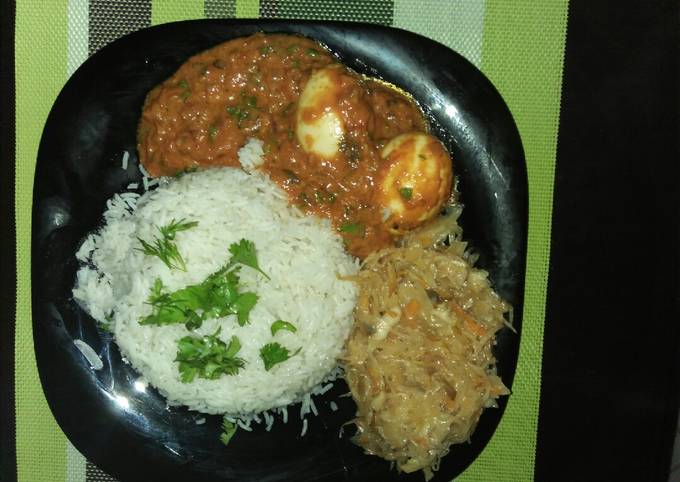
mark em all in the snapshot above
pixel 414 180
pixel 319 127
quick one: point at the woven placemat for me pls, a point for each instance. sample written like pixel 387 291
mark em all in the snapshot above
pixel 519 45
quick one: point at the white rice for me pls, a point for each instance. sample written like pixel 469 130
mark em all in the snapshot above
pixel 124 161
pixel 143 171
pixel 302 254
pixel 251 154
pixel 89 354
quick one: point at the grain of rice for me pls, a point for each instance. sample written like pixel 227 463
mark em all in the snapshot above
pixel 325 388
pixel 250 155
pixel 304 428
pixel 269 420
pixel 245 426
pixel 334 406
pixel 89 354
pixel 143 171
pixel 124 162
pixel 132 185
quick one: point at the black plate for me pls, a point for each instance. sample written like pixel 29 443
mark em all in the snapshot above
pixel 132 434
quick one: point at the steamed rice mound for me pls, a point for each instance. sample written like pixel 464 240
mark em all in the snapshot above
pixel 303 256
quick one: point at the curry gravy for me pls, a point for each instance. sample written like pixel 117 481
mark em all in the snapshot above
pixel 250 88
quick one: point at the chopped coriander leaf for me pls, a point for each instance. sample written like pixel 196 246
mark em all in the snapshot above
pixel 216 297
pixel 186 92
pixel 212 132
pixel 323 196
pixel 238 114
pixel 352 228
pixel 292 48
pixel 164 248
pixel 106 326
pixel 312 52
pixel 244 252
pixel 244 304
pixel 282 325
pixel 406 193
pixel 228 431
pixel 273 354
pixel 207 357
pixel 251 100
pixel 266 49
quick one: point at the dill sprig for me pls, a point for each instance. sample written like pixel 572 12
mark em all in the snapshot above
pixel 164 247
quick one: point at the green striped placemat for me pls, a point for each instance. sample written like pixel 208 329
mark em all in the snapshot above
pixel 519 45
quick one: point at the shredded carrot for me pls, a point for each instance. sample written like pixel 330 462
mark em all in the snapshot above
pixel 412 308
pixel 469 321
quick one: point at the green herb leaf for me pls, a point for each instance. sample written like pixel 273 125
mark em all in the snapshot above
pixel 282 325
pixel 186 92
pixel 164 247
pixel 174 227
pixel 273 354
pixel 312 52
pixel 244 252
pixel 228 431
pixel 207 357
pixel 292 48
pixel 266 49
pixel 406 192
pixel 244 304
pixel 352 228
pixel 323 196
pixel 216 297
pixel 212 132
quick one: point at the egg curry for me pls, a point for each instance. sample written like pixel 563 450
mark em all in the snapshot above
pixel 348 147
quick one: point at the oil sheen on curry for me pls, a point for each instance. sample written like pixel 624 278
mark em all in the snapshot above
pixel 345 146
